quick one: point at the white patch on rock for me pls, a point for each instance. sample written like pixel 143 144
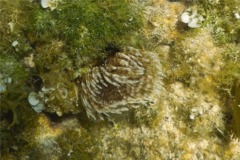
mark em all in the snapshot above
pixel 52 4
pixel 192 18
pixel 237 15
pixel 14 43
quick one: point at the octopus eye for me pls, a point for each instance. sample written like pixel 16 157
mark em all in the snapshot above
pixel 127 79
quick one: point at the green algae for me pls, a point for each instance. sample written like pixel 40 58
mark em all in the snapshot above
pixel 81 145
pixel 11 58
pixel 86 27
pixel 12 98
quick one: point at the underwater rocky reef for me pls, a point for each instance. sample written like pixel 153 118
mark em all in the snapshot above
pixel 114 80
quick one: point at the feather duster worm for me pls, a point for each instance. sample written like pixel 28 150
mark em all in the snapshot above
pixel 126 80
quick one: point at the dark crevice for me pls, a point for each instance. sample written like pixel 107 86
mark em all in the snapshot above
pixel 58 119
pixel 8 116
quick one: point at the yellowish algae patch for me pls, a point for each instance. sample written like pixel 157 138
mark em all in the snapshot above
pixel 161 21
pixel 45 138
pixel 45 131
pixel 193 64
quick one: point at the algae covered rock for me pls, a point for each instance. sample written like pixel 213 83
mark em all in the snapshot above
pixel 236 111
pixel 97 58
pixel 72 39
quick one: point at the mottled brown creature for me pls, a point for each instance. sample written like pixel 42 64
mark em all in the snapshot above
pixel 127 79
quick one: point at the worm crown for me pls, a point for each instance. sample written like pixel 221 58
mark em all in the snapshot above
pixel 126 80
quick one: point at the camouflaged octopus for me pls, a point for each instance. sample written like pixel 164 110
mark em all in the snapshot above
pixel 126 80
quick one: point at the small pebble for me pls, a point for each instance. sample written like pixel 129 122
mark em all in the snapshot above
pixel 38 108
pixel 14 43
pixel 237 15
pixel 33 98
pixel 192 117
